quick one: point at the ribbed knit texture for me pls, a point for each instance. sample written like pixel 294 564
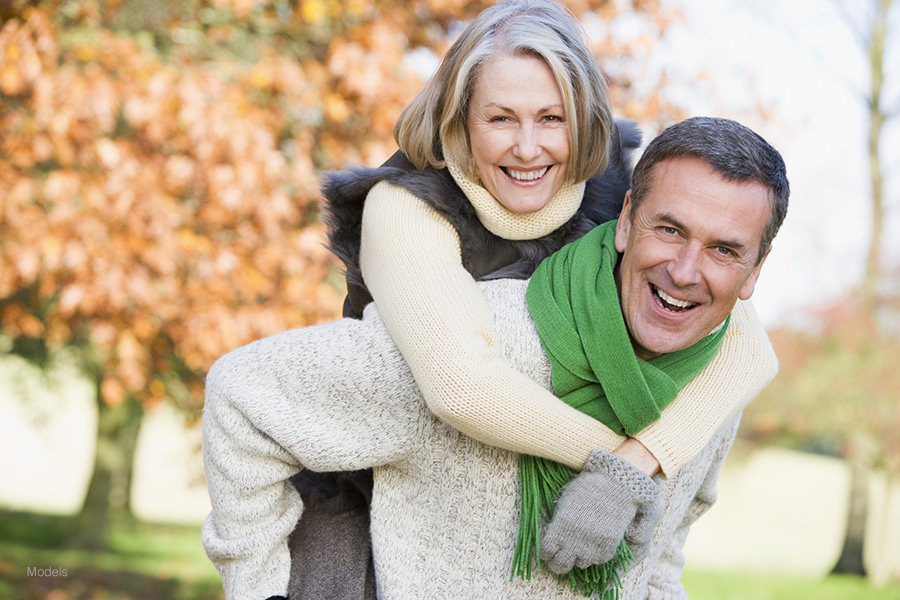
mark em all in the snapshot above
pixel 576 536
pixel 509 225
pixel 445 507
pixel 436 315
pixel 699 408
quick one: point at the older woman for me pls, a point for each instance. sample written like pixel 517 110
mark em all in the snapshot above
pixel 501 153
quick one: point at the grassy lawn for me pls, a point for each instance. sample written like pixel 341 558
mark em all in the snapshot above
pixel 143 562
pixel 163 562
pixel 719 585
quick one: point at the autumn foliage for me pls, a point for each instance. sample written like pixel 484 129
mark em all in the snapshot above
pixel 159 212
pixel 160 166
pixel 159 169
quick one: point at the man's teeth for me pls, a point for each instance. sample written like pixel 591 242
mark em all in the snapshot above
pixel 525 175
pixel 673 303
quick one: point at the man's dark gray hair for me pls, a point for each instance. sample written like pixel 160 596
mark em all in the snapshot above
pixel 734 151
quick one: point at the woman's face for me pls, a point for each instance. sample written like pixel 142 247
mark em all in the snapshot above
pixel 518 132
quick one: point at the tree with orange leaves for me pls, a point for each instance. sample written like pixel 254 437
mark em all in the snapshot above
pixel 159 168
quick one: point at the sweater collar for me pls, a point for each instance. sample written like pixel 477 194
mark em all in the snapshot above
pixel 509 225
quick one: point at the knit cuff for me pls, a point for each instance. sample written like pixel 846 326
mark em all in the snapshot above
pixel 642 487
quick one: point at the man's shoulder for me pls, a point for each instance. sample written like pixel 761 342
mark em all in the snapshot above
pixel 500 291
pixel 517 336
pixel 506 298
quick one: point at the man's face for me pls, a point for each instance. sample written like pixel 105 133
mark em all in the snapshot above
pixel 689 252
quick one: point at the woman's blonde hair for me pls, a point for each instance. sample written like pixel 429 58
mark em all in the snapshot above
pixel 541 28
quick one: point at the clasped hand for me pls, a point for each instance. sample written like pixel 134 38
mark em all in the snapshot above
pixel 610 500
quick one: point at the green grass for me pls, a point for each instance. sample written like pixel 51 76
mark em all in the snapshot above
pixel 721 585
pixel 146 561
pixel 143 561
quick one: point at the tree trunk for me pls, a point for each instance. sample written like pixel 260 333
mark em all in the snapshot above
pixel 108 493
pixel 850 561
pixel 883 566
pixel 877 118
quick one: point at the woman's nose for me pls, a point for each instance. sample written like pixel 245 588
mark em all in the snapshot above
pixel 527 144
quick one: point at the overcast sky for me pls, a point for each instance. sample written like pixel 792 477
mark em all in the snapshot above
pixel 800 60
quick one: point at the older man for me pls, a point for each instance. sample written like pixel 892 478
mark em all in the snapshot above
pixel 708 198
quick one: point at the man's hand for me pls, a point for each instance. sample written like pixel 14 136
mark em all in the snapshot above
pixel 608 501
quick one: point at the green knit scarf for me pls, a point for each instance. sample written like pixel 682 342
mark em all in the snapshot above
pixel 574 301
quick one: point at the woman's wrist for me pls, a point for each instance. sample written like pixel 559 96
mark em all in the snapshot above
pixel 638 455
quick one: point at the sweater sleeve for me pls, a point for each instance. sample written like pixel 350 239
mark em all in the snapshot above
pixel 437 316
pixel 334 397
pixel 744 365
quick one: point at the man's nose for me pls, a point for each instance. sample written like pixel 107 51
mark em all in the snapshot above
pixel 685 268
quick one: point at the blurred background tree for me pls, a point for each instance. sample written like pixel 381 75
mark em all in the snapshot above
pixel 838 389
pixel 837 393
pixel 159 168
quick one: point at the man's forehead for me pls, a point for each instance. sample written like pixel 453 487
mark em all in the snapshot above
pixel 688 191
pixel 666 167
pixel 700 174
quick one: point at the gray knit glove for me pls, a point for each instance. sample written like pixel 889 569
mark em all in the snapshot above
pixel 609 500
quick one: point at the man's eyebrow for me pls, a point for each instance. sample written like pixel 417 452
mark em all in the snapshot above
pixel 674 222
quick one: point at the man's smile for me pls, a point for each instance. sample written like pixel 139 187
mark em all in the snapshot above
pixel 669 303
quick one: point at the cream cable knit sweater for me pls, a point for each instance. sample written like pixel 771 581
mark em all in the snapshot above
pixel 410 259
pixel 445 507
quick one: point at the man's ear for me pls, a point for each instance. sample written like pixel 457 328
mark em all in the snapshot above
pixel 623 226
pixel 750 284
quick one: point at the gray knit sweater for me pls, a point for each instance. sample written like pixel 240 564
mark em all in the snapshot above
pixel 445 507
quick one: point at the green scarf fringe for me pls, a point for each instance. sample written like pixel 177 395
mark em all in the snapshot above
pixel 544 479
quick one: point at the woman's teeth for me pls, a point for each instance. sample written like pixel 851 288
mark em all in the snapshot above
pixel 525 175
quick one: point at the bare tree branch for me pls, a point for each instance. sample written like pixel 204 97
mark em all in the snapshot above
pixel 860 31
pixel 815 52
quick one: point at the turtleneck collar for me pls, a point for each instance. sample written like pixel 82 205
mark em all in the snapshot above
pixel 509 225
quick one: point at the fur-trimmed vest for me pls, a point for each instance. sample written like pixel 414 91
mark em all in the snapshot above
pixel 484 255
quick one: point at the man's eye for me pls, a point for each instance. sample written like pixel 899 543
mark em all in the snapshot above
pixel 669 230
pixel 724 251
